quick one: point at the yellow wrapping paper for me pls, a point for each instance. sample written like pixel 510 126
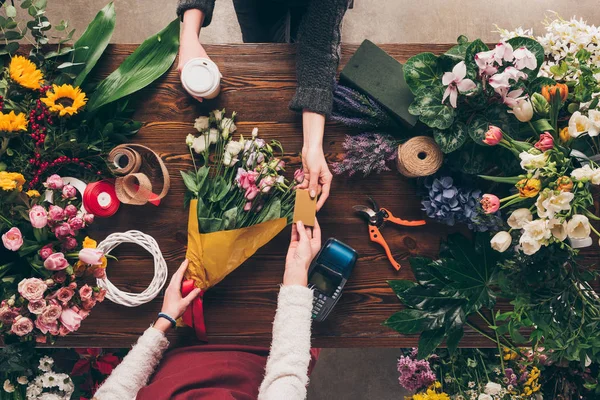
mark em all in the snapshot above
pixel 213 256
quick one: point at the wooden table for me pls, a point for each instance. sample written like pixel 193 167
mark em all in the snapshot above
pixel 258 83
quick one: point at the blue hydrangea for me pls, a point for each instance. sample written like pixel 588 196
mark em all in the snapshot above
pixel 450 205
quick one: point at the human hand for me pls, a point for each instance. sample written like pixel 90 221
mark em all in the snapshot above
pixel 317 177
pixel 189 45
pixel 304 246
pixel 174 305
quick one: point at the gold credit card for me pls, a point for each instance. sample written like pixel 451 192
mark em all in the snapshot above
pixel 305 208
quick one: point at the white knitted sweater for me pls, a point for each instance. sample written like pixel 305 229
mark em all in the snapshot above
pixel 286 373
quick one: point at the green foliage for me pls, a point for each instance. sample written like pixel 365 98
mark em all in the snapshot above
pixel 422 71
pixel 430 109
pixel 451 139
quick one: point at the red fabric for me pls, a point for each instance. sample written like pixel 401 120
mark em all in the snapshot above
pixel 210 372
pixel 194 315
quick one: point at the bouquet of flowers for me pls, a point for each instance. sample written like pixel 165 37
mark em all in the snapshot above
pixel 239 200
pixel 56 128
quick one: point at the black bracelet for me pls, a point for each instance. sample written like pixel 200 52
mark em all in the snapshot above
pixel 168 318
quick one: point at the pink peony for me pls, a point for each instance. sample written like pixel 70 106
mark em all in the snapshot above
pixel 46 251
pixel 88 219
pixel 22 326
pixel 50 327
pixel 54 182
pixel 50 314
pixel 56 213
pixel 91 256
pixel 32 289
pixel 70 320
pixel 13 240
pixel 56 262
pixel 70 211
pixel 299 176
pixel 493 136
pixel 490 203
pixel 76 223
pixel 86 292
pixel 36 306
pixel 63 230
pixel 8 315
pixel 69 192
pixel 70 243
pixel 546 142
pixel 65 294
pixel 38 217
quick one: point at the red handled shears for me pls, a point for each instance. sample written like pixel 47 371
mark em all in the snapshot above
pixel 377 217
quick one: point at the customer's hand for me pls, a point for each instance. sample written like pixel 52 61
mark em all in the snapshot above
pixel 174 305
pixel 317 177
pixel 189 43
pixel 305 245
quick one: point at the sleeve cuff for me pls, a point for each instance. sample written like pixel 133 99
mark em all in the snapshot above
pixel 206 6
pixel 296 295
pixel 313 99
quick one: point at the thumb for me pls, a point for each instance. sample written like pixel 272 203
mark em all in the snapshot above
pixel 313 184
pixel 190 297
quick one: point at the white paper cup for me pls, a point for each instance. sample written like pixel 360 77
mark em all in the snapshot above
pixel 201 78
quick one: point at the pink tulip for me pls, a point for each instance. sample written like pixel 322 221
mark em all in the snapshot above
pixel 56 262
pixel 91 256
pixel 54 182
pixel 38 217
pixel 69 192
pixel 13 239
pixel 490 203
pixel 493 136
pixel 546 142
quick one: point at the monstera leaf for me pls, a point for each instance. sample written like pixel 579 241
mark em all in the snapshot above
pixel 446 292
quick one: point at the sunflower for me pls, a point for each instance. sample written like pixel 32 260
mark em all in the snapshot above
pixel 25 73
pixel 65 99
pixel 11 180
pixel 12 122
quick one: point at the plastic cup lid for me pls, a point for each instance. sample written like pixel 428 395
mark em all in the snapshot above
pixel 201 76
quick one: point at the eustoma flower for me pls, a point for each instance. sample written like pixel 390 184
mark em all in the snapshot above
pixel 456 82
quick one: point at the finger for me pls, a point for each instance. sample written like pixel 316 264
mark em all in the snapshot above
pixel 316 232
pixel 295 236
pixel 187 300
pixel 178 275
pixel 302 231
pixel 324 195
pixel 309 233
pixel 303 185
pixel 313 184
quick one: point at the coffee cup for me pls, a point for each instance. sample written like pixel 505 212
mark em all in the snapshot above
pixel 201 78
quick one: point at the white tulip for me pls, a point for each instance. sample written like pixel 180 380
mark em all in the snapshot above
pixel 584 173
pixel 519 217
pixel 200 143
pixel 501 241
pixel 529 245
pixel 540 204
pixel 201 124
pixel 493 388
pixel 557 203
pixel 537 230
pixel 523 110
pixel 530 162
pixel 578 124
pixel 594 128
pixel 558 229
pixel 578 227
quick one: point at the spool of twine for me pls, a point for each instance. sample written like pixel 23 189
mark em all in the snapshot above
pixel 419 156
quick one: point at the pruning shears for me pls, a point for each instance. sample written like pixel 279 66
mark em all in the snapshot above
pixel 377 217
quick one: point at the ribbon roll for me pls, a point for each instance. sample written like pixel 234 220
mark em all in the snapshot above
pixel 100 199
pixel 134 187
pixel 419 156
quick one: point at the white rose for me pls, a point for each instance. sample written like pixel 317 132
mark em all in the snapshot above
pixel 199 144
pixel 493 388
pixel 583 173
pixel 519 217
pixel 578 124
pixel 213 136
pixel 537 230
pixel 201 124
pixel 558 229
pixel 484 396
pixel 594 128
pixel 529 245
pixel 558 203
pixel 578 227
pixel 501 241
pixel 189 140
pixel 234 147
pixel 530 162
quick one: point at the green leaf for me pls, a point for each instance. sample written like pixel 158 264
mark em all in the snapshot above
pixel 534 47
pixel 12 35
pixel 230 218
pixel 538 83
pixel 273 212
pixel 478 128
pixel 458 52
pixel 477 46
pixel 426 273
pixel 454 338
pixel 92 43
pixel 451 139
pixel 203 181
pixel 209 225
pixel 422 71
pixel 399 286
pixel 542 125
pixel 147 63
pixel 430 109
pixel 429 341
pixel 407 322
pixel 190 182
pixel 11 11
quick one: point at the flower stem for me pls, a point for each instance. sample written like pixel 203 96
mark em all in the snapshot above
pixel 498 343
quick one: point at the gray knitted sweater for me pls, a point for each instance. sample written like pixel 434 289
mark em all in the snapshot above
pixel 318 50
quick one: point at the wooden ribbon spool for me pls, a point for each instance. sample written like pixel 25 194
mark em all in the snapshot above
pixel 419 156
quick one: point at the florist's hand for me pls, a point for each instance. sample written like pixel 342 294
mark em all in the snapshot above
pixel 174 305
pixel 317 177
pixel 190 46
pixel 305 245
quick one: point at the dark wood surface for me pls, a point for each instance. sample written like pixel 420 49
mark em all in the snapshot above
pixel 258 83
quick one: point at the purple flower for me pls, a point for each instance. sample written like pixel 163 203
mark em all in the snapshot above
pixel 414 374
pixel 367 153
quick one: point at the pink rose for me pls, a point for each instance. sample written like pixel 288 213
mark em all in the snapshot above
pixel 299 176
pixel 69 192
pixel 56 213
pixel 83 314
pixel 88 219
pixel 22 326
pixel 46 251
pixel 56 262
pixel 13 240
pixel 50 314
pixel 86 292
pixel 490 203
pixel 8 315
pixel 70 211
pixel 76 223
pixel 546 142
pixel 54 182
pixel 38 217
pixel 63 230
pixel 63 331
pixel 70 243
pixel 91 256
pixel 99 295
pixel 65 294
pixel 51 327
pixel 88 304
pixel 72 285
pixel 36 306
pixel 70 320
pixel 251 193
pixel 59 277
pixel 99 273
pixel 41 339
pixel 32 288
pixel 493 136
